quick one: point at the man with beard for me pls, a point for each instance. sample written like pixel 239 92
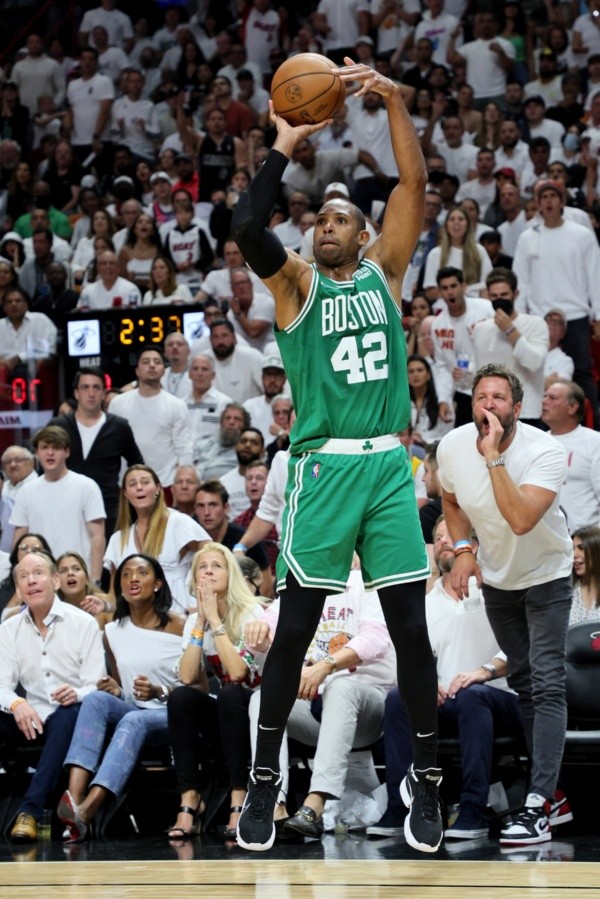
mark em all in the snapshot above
pixel 473 699
pixel 158 419
pixel 238 369
pixel 515 339
pixel 215 456
pixel 249 448
pixel 503 478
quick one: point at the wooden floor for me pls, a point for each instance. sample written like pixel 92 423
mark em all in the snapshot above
pixel 242 877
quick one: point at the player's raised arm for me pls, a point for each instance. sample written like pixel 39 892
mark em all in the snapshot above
pixel 280 269
pixel 403 219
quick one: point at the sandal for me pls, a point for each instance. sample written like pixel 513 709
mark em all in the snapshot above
pixel 224 830
pixel 178 833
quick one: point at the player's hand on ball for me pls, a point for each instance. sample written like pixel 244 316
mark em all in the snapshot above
pixel 299 131
pixel 371 79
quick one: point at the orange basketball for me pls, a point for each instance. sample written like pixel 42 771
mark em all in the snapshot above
pixel 305 90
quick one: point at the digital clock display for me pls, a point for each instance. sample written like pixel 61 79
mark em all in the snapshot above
pixel 111 338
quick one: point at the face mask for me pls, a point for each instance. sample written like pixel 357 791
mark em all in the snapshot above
pixel 503 305
pixel 571 142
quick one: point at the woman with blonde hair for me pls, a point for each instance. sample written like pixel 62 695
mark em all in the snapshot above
pixel 146 524
pixel 225 605
pixel 76 588
pixel 458 249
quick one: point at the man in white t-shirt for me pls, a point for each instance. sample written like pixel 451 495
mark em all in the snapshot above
pixel 250 447
pixel 90 99
pixel 513 153
pixel 110 289
pixel 238 369
pixel 503 479
pixel 205 403
pixel 452 338
pixel 534 110
pixel 459 155
pixel 489 59
pixel 64 507
pixel 562 411
pixel 259 407
pixel 515 222
pixel 482 189
pixel 159 421
pixel 217 284
pixel 339 23
pixel 438 26
pixel 133 120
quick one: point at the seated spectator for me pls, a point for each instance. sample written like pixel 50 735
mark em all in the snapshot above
pixel 110 289
pixel 19 192
pixel 431 417
pixel 205 403
pixel 283 418
pixel 46 713
pixel 76 589
pixel 165 287
pixel 249 447
pixel 63 175
pixel 143 645
pixel 177 353
pixel 256 477
pixel 17 469
pixel 100 245
pixel 40 250
pixel 217 284
pixel 145 522
pixel 225 605
pixel 348 669
pixel 58 221
pixel 461 637
pixel 24 336
pixel 420 308
pixel 12 254
pixel 558 364
pixel 184 489
pixel 259 407
pixel 586 575
pixel 101 225
pixel 57 299
pixel 141 247
pixel 10 599
pixel 212 511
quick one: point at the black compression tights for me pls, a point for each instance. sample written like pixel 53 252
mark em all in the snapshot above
pixel 404 609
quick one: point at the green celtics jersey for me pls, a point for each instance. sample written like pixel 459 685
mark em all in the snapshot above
pixel 345 360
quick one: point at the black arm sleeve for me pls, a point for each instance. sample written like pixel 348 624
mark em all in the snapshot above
pixel 262 250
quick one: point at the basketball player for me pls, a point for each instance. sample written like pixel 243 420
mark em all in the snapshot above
pixel 339 329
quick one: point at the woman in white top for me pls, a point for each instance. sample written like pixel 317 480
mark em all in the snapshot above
pixel 143 645
pixel 458 249
pixel 163 285
pixel 145 524
pixel 141 247
pixel 586 575
pixel 430 418
pixel 101 225
pixel 224 606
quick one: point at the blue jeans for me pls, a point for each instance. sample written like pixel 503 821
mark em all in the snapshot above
pixel 58 730
pixel 477 715
pixel 133 727
pixel 531 628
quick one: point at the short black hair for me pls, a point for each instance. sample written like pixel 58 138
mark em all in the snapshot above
pixel 449 271
pixel 156 347
pixel 91 370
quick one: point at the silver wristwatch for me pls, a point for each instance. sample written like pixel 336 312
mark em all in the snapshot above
pixel 495 462
pixel 491 668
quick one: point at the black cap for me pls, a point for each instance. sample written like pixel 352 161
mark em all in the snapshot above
pixel 244 73
pixel 9 83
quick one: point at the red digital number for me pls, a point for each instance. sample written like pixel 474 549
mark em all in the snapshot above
pixel 33 391
pixel 19 391
pixel 107 382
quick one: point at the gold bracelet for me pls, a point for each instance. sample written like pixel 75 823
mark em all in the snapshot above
pixel 197 633
pixel 16 702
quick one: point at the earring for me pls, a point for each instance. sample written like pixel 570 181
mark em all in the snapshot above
pixel 156 589
pixel 157 494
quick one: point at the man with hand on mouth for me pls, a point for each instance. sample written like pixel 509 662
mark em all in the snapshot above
pixel 503 478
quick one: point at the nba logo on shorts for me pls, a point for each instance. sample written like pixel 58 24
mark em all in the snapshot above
pixel 315 470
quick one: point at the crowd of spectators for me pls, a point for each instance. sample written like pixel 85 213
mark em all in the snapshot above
pixel 121 160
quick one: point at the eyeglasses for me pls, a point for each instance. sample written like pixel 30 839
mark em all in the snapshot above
pixel 24 547
pixel 15 460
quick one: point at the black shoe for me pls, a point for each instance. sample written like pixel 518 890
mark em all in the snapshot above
pixel 391 824
pixel 423 824
pixel 305 821
pixel 471 824
pixel 256 828
pixel 529 827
